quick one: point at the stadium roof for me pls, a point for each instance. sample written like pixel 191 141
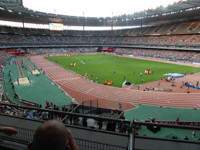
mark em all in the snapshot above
pixel 13 10
pixel 176 7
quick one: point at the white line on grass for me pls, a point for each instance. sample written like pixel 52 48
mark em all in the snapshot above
pixel 81 61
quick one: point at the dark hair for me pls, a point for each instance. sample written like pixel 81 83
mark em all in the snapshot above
pixel 52 135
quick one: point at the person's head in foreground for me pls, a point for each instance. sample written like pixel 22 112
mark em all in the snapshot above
pixel 52 135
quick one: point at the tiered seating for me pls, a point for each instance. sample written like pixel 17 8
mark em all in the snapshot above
pixel 24 36
pixel 182 28
pixel 4 56
pixel 176 55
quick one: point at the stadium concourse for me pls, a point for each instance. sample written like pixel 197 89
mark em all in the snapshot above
pixel 82 89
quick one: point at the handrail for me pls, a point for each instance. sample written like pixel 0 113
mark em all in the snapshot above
pixel 66 113
pixel 24 136
pixel 166 125
pixel 135 124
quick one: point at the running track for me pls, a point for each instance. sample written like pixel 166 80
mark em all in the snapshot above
pixel 109 97
pixel 29 65
pixel 20 70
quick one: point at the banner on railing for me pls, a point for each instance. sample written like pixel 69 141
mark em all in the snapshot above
pixel 15 51
pixel 107 49
pixel 29 103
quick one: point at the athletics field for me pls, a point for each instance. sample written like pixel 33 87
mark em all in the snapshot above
pixel 118 69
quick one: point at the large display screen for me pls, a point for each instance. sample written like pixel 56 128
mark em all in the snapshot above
pixel 56 26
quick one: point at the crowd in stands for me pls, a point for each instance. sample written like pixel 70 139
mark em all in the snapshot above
pixel 157 53
pixel 173 28
pixel 170 40
pixel 168 54
pixel 4 56
pixel 175 34
pixel 85 121
pixel 47 114
pixel 25 31
pixel 40 51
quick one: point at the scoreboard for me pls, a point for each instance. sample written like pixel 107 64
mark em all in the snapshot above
pixel 56 26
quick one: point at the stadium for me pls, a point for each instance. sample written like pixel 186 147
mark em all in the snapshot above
pixel 128 81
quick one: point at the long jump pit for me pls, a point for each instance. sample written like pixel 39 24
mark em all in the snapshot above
pixel 35 72
pixel 22 81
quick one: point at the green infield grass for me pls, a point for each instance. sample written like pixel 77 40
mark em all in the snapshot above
pixel 118 69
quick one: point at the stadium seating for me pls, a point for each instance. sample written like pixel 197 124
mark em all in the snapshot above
pixel 4 56
pixel 177 34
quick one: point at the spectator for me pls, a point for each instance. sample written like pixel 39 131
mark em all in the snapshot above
pixel 186 138
pixel 198 139
pixel 45 115
pixel 47 103
pixel 100 123
pixel 29 115
pixel 174 137
pixel 109 126
pixel 177 119
pixel 113 126
pixel 52 135
pixel 193 133
pixel 84 121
